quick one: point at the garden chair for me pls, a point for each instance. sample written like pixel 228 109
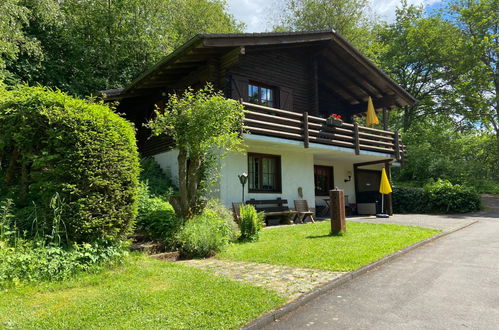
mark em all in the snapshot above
pixel 303 212
pixel 236 208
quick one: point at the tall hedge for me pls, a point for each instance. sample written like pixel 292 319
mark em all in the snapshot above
pixel 439 196
pixel 52 143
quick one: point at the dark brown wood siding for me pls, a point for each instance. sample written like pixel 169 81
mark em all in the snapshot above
pixel 290 70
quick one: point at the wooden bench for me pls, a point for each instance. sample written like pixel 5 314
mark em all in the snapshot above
pixel 273 208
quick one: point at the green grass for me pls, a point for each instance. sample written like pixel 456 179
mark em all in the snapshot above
pixel 145 293
pixel 310 246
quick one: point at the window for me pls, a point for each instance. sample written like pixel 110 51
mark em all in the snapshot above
pixel 259 93
pixel 323 180
pixel 264 173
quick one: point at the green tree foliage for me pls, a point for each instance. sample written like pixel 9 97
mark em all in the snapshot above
pixel 424 55
pixel 14 18
pixel 347 17
pixel 478 21
pixel 98 44
pixel 204 126
pixel 435 149
pixel 55 145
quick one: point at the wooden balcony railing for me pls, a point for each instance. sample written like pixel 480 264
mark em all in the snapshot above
pixel 267 121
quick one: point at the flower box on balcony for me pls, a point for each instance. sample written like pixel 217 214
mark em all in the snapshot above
pixel 334 121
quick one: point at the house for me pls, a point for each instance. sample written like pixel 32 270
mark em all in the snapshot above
pixel 289 83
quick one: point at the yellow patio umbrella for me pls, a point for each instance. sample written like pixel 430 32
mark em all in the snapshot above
pixel 384 188
pixel 372 119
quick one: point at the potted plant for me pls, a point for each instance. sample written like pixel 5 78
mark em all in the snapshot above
pixel 334 120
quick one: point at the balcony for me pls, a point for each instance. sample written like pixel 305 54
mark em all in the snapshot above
pixel 261 120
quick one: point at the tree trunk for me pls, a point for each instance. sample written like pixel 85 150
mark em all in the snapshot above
pixel 181 203
pixel 192 183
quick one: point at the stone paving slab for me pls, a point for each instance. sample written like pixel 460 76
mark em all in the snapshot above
pixel 289 282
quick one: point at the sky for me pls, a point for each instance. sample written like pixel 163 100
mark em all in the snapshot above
pixel 255 13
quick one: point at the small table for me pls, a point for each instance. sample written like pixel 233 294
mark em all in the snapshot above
pixel 325 211
pixel 349 208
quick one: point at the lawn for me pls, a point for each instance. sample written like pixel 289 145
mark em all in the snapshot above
pixel 310 245
pixel 145 293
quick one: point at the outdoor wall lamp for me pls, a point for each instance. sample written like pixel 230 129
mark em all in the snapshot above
pixel 349 174
pixel 243 178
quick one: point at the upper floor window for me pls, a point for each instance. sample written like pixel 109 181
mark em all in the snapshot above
pixel 262 94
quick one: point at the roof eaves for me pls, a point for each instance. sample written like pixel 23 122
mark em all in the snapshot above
pixel 177 52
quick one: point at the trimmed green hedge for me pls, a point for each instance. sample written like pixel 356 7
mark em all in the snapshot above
pixel 440 196
pixel 52 143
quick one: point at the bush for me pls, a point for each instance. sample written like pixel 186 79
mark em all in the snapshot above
pixel 251 223
pixel 31 261
pixel 158 183
pixel 444 197
pixel 206 234
pixel 409 200
pixel 52 143
pixel 156 218
pixel 439 196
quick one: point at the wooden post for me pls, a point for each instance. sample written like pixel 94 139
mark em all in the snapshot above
pixel 388 198
pixel 305 130
pixel 385 120
pixel 397 146
pixel 356 138
pixel 337 209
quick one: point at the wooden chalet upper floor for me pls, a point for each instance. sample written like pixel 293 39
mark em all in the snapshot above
pixel 312 73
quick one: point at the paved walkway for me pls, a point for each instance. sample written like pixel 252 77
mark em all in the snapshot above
pixel 289 282
pixel 443 222
pixel 451 283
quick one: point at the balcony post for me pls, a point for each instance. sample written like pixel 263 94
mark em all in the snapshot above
pixel 397 146
pixel 356 138
pixel 305 130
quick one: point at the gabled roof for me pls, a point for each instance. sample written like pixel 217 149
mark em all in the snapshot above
pixel 361 73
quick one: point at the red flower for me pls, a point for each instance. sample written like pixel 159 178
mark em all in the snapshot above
pixel 335 116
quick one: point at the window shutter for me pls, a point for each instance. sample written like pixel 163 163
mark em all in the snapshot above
pixel 239 88
pixel 286 98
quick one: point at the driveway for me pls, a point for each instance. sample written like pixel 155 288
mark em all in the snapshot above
pixel 451 283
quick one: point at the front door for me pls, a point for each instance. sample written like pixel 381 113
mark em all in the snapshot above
pixel 367 182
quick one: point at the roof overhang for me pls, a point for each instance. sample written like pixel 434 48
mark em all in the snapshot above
pixel 187 60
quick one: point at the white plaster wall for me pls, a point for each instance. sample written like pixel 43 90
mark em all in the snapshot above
pixel 297 170
pixel 169 164
pixel 340 174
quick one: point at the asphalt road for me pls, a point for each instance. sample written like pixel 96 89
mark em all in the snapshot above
pixel 452 283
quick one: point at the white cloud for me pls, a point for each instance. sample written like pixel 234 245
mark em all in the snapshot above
pixel 252 12
pixel 256 13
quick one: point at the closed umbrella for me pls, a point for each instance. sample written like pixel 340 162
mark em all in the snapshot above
pixel 384 188
pixel 372 119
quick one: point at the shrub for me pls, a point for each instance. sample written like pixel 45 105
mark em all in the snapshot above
pixel 158 183
pixel 444 197
pixel 156 218
pixel 409 200
pixel 52 143
pixel 251 222
pixel 31 261
pixel 205 234
pixel 439 196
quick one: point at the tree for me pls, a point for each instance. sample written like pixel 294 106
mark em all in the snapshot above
pixel 347 17
pixel 479 23
pixel 14 17
pixel 204 126
pixel 425 56
pixel 98 44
